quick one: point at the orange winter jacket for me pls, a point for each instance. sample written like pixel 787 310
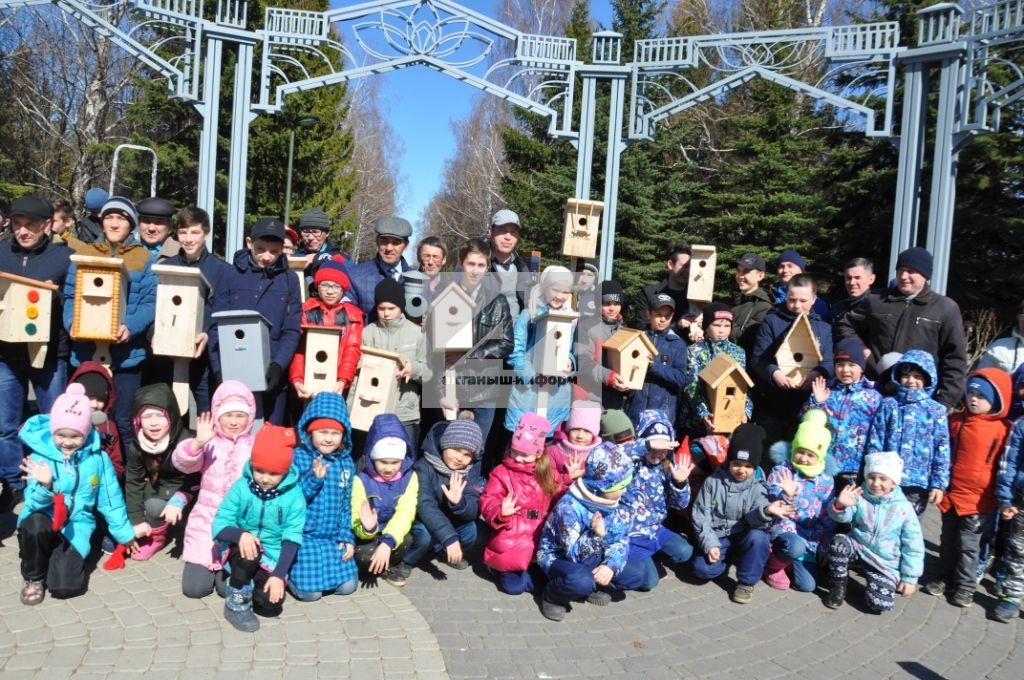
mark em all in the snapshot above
pixel 976 444
pixel 344 315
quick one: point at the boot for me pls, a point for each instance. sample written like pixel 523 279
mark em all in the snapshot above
pixel 238 609
pixel 836 593
pixel 152 545
pixel 775 573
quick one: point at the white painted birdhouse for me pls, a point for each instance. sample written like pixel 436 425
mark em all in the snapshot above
pixel 726 385
pixel 322 350
pixel 582 219
pixel 553 349
pixel 26 310
pixel 450 320
pixel 180 305
pixel 298 266
pixel 376 388
pixel 244 345
pixel 101 291
pixel 799 351
pixel 702 273
pixel 629 353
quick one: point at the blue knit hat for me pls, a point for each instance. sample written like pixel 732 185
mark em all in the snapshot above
pixel 121 206
pixel 851 349
pixel 794 257
pixel 95 198
pixel 984 388
pixel 608 469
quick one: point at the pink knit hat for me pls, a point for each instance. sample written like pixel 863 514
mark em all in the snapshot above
pixel 585 415
pixel 528 437
pixel 71 411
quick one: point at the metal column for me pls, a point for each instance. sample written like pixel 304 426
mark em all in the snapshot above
pixel 908 182
pixel 585 145
pixel 241 117
pixel 209 111
pixel 611 178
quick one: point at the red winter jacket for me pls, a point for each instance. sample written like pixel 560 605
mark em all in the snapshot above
pixel 111 440
pixel 515 538
pixel 316 313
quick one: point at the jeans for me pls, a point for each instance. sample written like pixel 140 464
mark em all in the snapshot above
pixel 48 382
pixel 791 548
pixel 127 382
pixel 750 553
pixel 423 542
pixel 515 582
pixel 346 588
pixel 670 546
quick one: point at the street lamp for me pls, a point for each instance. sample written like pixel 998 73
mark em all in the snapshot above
pixel 305 122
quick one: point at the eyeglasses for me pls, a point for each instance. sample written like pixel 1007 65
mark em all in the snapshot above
pixel 329 287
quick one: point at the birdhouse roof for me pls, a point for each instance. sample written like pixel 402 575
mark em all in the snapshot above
pixel 14 278
pixel 702 251
pixel 383 353
pixel 801 338
pixel 722 367
pixel 240 316
pixel 583 206
pixel 624 337
pixel 336 330
pixel 185 272
pixel 452 289
pixel 100 263
pixel 294 263
pixel 556 315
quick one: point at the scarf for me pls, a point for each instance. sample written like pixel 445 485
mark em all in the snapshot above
pixel 152 447
pixel 439 465
pixel 812 470
pixel 264 494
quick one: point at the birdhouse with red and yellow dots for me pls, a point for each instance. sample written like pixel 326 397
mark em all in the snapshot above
pixel 101 290
pixel 26 308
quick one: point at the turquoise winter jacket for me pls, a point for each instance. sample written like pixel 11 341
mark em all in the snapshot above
pixel 87 480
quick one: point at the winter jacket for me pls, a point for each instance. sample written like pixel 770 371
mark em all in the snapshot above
pixel 110 438
pixel 87 481
pixel 89 229
pixel 559 451
pixel 514 539
pixel 343 315
pixel 725 507
pixel 850 410
pixel 438 515
pixel 140 306
pixel 273 292
pixel 405 338
pixel 699 356
pixel 915 426
pixel 781 290
pixel 840 308
pixel 665 381
pixel 211 268
pixel 976 447
pixel 747 316
pixel 886 534
pixel 45 262
pixel 364 278
pixel 888 322
pixel 319 566
pixel 528 385
pixel 273 520
pixel 1010 481
pixel 508 280
pixel 154 475
pixel 395 501
pixel 811 521
pixel 220 461
pixel 1004 353
pixel 594 375
pixel 567 533
pixel 773 330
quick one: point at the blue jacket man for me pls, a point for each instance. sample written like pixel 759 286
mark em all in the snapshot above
pixel 392 239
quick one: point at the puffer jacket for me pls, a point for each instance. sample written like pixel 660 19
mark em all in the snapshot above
pixel 850 410
pixel 725 507
pixel 747 316
pixel 405 338
pixel 395 500
pixel 594 375
pixel 976 445
pixel 567 533
pixel 514 539
pixel 666 378
pixel 345 316
pixel 220 461
pixel 528 385
pixel 772 398
pixel 700 355
pixel 886 534
pixel 1010 481
pixel 811 521
pixel 559 451
pixel 915 426
pixel 1004 353
pixel 87 481
pixel 434 509
pixel 110 439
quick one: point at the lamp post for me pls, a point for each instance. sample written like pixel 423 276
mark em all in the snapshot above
pixel 305 122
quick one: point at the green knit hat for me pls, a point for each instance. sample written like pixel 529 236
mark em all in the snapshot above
pixel 616 426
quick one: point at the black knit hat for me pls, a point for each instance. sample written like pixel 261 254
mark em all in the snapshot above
pixel 96 386
pixel 747 444
pixel 389 290
pixel 611 291
pixel 714 312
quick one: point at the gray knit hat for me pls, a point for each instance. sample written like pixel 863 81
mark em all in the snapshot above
pixel 122 206
pixel 463 434
pixel 314 218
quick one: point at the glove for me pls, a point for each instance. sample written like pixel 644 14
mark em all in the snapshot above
pixel 274 373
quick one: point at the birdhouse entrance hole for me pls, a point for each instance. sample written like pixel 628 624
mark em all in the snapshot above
pixel 98 282
pixel 798 357
pixel 635 354
pixel 176 300
pixel 239 334
pixel 321 356
pixel 374 382
pixel 582 220
pixel 453 310
pixel 730 391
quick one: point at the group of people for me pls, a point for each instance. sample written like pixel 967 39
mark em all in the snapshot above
pixel 586 488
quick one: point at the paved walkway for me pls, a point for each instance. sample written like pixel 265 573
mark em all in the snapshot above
pixel 448 623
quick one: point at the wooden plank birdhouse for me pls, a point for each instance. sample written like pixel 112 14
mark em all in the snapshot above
pixel 629 354
pixel 582 218
pixel 101 291
pixel 702 273
pixel 450 320
pixel 726 387
pixel 180 305
pixel 376 388
pixel 799 351
pixel 244 339
pixel 553 349
pixel 26 308
pixel 298 265
pixel 322 350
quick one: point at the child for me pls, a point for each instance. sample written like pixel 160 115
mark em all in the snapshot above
pixel 850 401
pixel 803 482
pixel 384 497
pixel 585 290
pixel 68 478
pixel 220 449
pixel 667 374
pixel 602 384
pixel 99 388
pixel 258 529
pixel 978 436
pixel 885 537
pixel 915 426
pixel 259 280
pixel 658 484
pixel 329 307
pixel 616 427
pixel 732 514
pixel 753 302
pixel 573 442
pixel 156 492
pixel 515 505
pixel 717 321
pixel 450 486
pixel 323 460
pixel 585 545
pixel 1010 496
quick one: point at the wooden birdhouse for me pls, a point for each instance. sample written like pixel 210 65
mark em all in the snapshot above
pixel 629 354
pixel 702 274
pixel 799 351
pixel 415 284
pixel 322 349
pixel 101 290
pixel 450 320
pixel 726 386
pixel 582 218
pixel 376 388
pixel 180 305
pixel 244 338
pixel 553 349
pixel 298 265
pixel 26 307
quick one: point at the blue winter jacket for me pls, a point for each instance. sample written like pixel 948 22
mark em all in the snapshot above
pixel 1010 483
pixel 87 480
pixel 527 388
pixel 46 262
pixel 433 509
pixel 273 292
pixel 211 267
pixel 850 410
pixel 886 534
pixel 915 426
pixel 773 330
pixel 383 496
pixel 364 278
pixel 568 535
pixel 665 381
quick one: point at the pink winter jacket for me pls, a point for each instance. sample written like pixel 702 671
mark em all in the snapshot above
pixel 221 462
pixel 559 451
pixel 515 538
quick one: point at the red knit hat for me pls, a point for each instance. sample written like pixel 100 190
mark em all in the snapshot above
pixel 272 450
pixel 332 270
pixel 324 424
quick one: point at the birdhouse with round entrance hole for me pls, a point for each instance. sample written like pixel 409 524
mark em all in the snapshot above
pixel 628 352
pixel 376 388
pixel 582 219
pixel 322 350
pixel 450 320
pixel 726 385
pixel 799 352
pixel 702 273
pixel 552 352
pixel 180 306
pixel 244 345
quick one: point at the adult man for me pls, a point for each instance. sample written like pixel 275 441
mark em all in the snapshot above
pixel 314 228
pixel 675 285
pixel 753 303
pixel 90 227
pixel 912 316
pixel 858 277
pixel 155 215
pixel 30 253
pixel 506 263
pixel 392 239
pixel 432 256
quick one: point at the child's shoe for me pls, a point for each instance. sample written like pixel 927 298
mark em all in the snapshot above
pixel 599 598
pixel 152 545
pixel 553 610
pixel 836 595
pixel 398 574
pixel 775 574
pixel 32 592
pixel 1006 610
pixel 963 597
pixel 460 565
pixel 743 593
pixel 936 588
pixel 108 546
pixel 238 609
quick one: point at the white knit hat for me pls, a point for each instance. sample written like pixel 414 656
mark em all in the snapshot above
pixel 886 463
pixel 388 448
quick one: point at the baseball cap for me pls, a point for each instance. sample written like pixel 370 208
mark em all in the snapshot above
pixel 268 227
pixel 752 261
pixel 659 300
